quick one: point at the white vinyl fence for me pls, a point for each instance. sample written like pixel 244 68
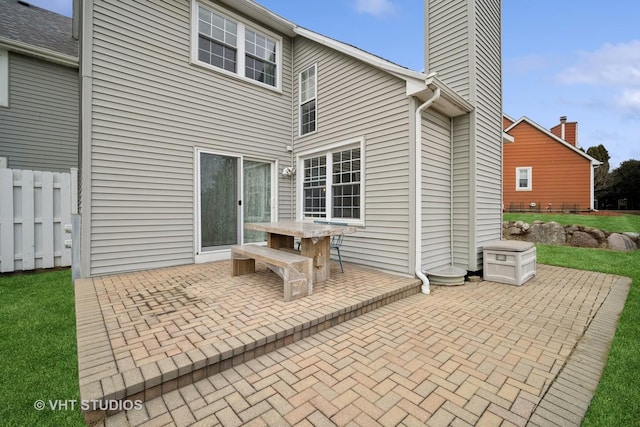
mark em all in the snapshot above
pixel 35 208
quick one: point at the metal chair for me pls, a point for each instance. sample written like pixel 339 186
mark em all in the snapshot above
pixel 336 241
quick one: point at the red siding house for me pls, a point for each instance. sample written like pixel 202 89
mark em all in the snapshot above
pixel 544 170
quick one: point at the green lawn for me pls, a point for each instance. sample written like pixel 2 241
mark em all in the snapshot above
pixel 617 399
pixel 38 359
pixel 620 223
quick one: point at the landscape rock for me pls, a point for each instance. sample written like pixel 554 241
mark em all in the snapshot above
pixel 549 233
pixel 597 234
pixel 633 236
pixel 514 230
pixel 620 242
pixel 583 239
pixel 552 233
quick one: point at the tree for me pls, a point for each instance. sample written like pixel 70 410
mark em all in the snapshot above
pixel 625 183
pixel 601 178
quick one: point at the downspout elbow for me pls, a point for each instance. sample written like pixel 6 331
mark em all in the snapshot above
pixel 426 289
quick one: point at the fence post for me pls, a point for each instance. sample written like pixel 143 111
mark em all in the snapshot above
pixel 74 191
pixel 7 253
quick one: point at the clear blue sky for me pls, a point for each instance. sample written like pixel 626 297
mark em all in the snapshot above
pixel 574 58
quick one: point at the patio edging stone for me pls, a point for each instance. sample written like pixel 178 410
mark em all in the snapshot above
pixel 153 379
pixel 574 380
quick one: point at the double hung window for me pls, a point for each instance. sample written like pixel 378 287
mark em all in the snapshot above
pixel 308 89
pixel 224 42
pixel 523 179
pixel 332 185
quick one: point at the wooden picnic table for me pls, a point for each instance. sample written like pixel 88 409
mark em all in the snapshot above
pixel 314 238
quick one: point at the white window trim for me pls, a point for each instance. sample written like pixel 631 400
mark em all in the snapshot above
pixel 315 98
pixel 325 150
pixel 529 187
pixel 4 78
pixel 242 25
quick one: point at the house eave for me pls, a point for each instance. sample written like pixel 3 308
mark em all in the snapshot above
pixel 354 52
pixel 507 139
pixel 39 52
pixel 594 162
pixel 263 15
pixel 449 103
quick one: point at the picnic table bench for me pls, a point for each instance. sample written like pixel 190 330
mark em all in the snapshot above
pixel 295 270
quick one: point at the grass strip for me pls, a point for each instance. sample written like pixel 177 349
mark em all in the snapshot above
pixel 38 358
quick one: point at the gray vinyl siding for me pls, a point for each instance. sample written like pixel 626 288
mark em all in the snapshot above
pixel 461 190
pixel 489 124
pixel 447 47
pixel 39 128
pixel 356 100
pixel 436 190
pixel 464 48
pixel 151 109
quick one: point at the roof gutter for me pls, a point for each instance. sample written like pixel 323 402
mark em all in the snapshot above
pixel 39 52
pixel 418 177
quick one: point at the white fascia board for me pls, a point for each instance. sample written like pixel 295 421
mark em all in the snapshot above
pixel 39 52
pixel 360 54
pixel 449 103
pixel 261 14
pixel 506 138
pixel 554 137
pixel 508 117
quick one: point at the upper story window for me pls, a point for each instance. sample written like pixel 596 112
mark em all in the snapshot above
pixel 332 185
pixel 523 179
pixel 308 89
pixel 217 40
pixel 4 78
pixel 224 42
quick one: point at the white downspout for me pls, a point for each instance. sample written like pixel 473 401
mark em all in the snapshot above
pixel 592 191
pixel 418 196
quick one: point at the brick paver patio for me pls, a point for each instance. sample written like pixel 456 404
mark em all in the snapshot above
pixel 479 354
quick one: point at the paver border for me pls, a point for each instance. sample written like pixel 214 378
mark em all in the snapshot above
pixel 579 377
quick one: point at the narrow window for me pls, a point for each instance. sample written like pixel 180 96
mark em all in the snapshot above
pixel 308 88
pixel 523 179
pixel 4 78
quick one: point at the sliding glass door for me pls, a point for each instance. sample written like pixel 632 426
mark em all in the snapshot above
pixel 232 191
pixel 257 197
pixel 219 201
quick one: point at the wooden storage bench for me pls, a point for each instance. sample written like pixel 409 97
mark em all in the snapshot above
pixel 295 270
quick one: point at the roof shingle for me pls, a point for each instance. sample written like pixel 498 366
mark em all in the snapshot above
pixel 39 27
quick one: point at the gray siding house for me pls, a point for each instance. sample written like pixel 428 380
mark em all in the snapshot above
pixel 201 115
pixel 39 94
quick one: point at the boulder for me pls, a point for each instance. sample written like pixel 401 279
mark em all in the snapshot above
pixel 571 229
pixel 549 233
pixel 633 236
pixel 581 239
pixel 598 234
pixel 620 242
pixel 514 231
